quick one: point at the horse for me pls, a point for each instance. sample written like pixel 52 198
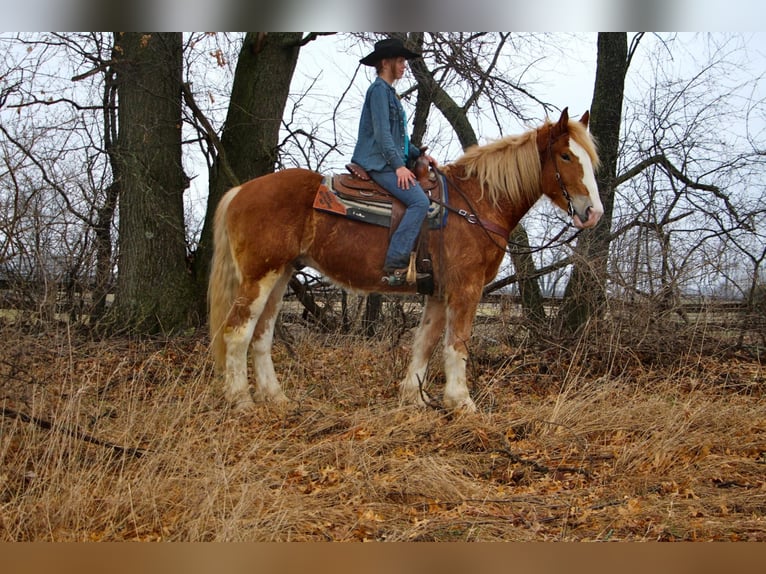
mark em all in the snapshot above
pixel 267 227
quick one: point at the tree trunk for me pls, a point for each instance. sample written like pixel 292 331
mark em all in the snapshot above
pixel 429 92
pixel 373 308
pixel 529 288
pixel 586 290
pixel 153 286
pixel 250 137
pixel 102 227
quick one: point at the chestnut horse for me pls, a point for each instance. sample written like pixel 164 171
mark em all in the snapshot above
pixel 266 227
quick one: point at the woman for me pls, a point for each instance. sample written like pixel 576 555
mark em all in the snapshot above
pixel 383 149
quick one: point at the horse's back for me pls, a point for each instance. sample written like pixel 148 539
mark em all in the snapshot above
pixel 289 191
pixel 292 181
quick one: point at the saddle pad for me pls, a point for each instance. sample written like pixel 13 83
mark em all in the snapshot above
pixel 329 201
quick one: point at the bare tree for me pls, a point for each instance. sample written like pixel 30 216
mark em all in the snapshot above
pixel 687 219
pixel 585 291
pixel 248 145
pixel 154 287
pixel 51 135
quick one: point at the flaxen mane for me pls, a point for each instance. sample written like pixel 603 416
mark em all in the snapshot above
pixel 508 168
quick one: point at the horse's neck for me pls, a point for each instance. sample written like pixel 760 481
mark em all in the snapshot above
pixel 508 211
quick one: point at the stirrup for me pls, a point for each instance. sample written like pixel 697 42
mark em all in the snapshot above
pixel 397 277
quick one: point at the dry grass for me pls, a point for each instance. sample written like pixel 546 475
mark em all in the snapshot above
pixel 562 450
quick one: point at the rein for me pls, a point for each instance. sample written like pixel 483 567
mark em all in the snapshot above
pixel 469 216
pixel 562 186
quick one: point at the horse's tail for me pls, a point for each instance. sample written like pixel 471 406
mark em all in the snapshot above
pixel 224 280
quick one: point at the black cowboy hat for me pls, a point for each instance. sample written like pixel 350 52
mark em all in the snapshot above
pixel 388 48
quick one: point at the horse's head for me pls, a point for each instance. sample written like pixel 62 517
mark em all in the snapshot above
pixel 569 159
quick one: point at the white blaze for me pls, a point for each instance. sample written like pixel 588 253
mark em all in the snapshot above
pixel 589 178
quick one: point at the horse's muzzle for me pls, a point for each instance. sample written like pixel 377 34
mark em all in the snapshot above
pixel 585 217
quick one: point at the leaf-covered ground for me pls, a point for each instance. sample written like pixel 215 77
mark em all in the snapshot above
pixel 141 446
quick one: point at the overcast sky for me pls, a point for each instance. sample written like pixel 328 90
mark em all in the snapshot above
pixel 551 15
pixel 564 79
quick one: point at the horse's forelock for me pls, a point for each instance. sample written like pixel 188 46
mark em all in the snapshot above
pixel 579 133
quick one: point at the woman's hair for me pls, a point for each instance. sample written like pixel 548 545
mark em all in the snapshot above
pixel 379 63
pixel 379 66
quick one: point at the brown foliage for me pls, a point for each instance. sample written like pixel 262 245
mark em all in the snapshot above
pixel 561 450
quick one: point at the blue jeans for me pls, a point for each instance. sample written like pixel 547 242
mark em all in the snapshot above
pixel 416 202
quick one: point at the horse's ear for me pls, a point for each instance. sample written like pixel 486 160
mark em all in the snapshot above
pixel 562 126
pixel 585 118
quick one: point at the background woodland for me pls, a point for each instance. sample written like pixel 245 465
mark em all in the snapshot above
pixel 617 372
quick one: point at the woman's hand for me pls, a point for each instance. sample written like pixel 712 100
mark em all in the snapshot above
pixel 404 177
pixel 431 161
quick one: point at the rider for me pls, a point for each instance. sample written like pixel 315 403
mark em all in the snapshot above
pixel 383 149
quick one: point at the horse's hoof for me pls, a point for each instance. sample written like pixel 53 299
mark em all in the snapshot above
pixel 243 406
pixel 276 399
pixel 414 399
pixel 280 399
pixel 463 406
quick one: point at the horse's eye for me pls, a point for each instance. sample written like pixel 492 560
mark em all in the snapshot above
pixel 565 156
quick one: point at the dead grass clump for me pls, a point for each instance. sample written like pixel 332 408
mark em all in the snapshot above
pixel 559 451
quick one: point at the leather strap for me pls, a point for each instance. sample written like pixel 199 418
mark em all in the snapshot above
pixel 472 218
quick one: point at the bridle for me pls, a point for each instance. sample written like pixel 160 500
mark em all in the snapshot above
pixel 562 186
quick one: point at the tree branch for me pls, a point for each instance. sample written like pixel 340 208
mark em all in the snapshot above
pixel 633 47
pixel 61 192
pixel 36 101
pixel 663 161
pixel 311 36
pixel 487 74
pixel 210 134
pixel 73 432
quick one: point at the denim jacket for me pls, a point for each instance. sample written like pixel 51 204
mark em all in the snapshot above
pixel 382 138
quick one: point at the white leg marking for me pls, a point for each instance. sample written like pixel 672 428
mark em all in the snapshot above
pixel 267 386
pixel 235 388
pixel 409 388
pixel 456 395
pixel 237 341
pixel 428 333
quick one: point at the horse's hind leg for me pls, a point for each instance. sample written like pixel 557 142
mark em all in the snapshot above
pixel 249 304
pixel 267 386
pixel 426 337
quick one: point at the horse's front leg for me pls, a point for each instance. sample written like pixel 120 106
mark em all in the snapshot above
pixel 428 333
pixel 460 314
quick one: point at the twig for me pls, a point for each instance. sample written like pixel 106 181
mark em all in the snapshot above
pixel 429 402
pixel 73 432
pixel 536 466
